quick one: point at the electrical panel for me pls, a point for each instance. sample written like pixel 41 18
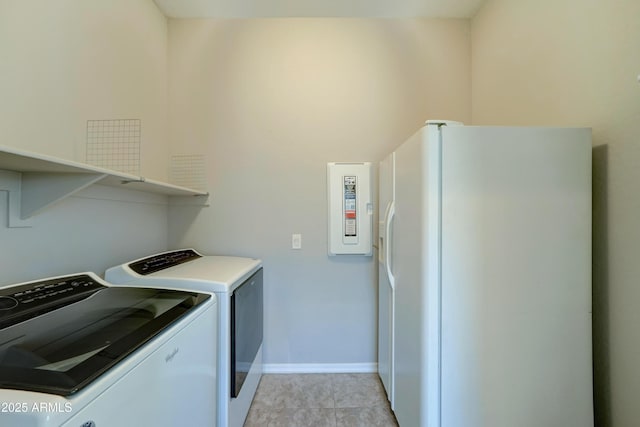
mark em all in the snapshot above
pixel 350 211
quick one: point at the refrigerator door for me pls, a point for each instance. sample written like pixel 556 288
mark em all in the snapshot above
pixel 416 262
pixel 385 276
pixel 516 285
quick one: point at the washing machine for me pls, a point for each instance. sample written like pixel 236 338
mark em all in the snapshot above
pixel 75 351
pixel 238 285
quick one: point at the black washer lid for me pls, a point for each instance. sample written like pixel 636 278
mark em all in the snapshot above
pixel 61 342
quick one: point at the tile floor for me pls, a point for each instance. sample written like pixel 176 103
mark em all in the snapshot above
pixel 320 400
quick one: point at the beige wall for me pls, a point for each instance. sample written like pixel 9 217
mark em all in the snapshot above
pixel 270 102
pixel 575 62
pixel 62 63
pixel 67 61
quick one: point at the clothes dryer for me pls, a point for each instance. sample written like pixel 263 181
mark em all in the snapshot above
pixel 238 285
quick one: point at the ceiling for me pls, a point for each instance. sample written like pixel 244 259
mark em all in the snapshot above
pixel 318 8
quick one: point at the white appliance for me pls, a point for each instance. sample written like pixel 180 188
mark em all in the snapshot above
pixel 386 295
pixel 237 284
pixel 485 289
pixel 75 351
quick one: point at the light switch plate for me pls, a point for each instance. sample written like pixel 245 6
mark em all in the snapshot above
pixel 296 241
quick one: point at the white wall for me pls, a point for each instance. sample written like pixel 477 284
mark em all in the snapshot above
pixel 68 61
pixel 270 102
pixel 95 229
pixel 574 63
pixel 64 62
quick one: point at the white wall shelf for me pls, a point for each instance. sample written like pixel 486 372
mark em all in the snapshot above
pixel 35 181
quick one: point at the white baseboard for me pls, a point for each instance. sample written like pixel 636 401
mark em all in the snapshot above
pixel 319 368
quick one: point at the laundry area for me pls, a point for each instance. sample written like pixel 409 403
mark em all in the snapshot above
pixel 263 213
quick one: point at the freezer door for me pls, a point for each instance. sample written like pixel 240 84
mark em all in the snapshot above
pixel 385 289
pixel 516 288
pixel 416 268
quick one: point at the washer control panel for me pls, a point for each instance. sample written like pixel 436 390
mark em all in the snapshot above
pixel 165 260
pixel 19 301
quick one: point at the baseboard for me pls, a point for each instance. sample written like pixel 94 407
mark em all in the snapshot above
pixel 319 368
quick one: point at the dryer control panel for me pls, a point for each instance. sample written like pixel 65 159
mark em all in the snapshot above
pixel 165 260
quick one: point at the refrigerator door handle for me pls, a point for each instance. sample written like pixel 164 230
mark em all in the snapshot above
pixel 391 213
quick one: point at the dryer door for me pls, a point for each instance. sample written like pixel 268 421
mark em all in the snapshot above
pixel 246 329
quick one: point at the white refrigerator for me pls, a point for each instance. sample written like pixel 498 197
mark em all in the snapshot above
pixel 485 277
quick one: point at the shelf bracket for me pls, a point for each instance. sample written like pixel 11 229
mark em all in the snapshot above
pixel 42 189
pixel 10 183
pixel 198 200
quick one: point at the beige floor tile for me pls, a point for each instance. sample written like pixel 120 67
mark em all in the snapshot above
pixel 294 391
pixel 320 400
pixel 358 390
pixel 378 416
pixel 290 417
